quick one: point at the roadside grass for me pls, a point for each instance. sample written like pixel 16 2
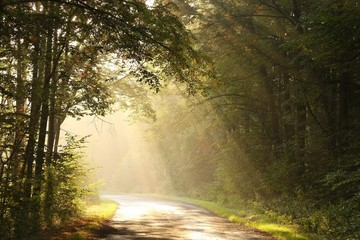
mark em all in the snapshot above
pixel 103 210
pixel 268 222
pixel 90 223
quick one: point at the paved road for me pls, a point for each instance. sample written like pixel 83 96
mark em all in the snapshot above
pixel 152 218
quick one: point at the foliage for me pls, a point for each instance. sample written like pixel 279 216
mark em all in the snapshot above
pixel 70 181
pixel 69 58
pixel 279 126
pixel 90 222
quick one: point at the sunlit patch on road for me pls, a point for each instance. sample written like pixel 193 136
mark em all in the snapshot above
pixel 158 207
pixel 140 209
pixel 150 218
pixel 130 212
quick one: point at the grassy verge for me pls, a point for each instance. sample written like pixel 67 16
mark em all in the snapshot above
pixel 90 223
pixel 268 222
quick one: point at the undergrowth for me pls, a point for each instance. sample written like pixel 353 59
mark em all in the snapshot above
pixel 91 222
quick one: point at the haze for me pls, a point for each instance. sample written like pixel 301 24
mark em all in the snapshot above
pixel 123 160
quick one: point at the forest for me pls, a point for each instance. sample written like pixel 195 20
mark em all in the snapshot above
pixel 251 102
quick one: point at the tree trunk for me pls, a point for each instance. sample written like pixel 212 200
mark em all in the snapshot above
pixel 18 145
pixel 274 112
pixel 300 136
pixel 51 140
pixel 40 154
pixel 344 113
pixel 20 110
pixel 23 221
pixel 289 127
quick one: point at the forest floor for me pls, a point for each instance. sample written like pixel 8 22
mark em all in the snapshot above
pixel 91 225
pixel 141 217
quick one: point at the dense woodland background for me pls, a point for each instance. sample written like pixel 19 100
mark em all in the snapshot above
pixel 281 123
pixel 258 104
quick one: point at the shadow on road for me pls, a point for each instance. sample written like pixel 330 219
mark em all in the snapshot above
pixel 150 218
pixel 112 230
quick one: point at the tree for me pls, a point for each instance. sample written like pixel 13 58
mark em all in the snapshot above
pixel 287 95
pixel 58 48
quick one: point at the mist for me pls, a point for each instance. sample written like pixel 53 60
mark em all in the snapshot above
pixel 117 149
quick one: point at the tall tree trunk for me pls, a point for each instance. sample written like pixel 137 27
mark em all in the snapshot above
pixel 20 109
pixel 274 112
pixel 51 139
pixel 289 127
pixel 40 153
pixel 301 118
pixel 23 221
pixel 344 112
pixel 18 145
pixel 49 158
pixel 329 102
pixel 328 115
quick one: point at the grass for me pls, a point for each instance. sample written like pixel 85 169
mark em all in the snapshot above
pixel 90 223
pixel 265 222
pixel 104 210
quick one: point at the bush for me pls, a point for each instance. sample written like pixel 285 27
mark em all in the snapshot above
pixel 69 181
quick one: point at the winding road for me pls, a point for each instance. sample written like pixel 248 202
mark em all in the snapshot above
pixel 153 218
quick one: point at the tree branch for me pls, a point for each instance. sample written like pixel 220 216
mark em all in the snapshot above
pixel 229 95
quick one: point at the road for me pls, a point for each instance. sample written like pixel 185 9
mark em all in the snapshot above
pixel 152 218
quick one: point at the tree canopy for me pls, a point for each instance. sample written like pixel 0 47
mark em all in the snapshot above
pixel 68 58
pixel 280 123
pixel 267 112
